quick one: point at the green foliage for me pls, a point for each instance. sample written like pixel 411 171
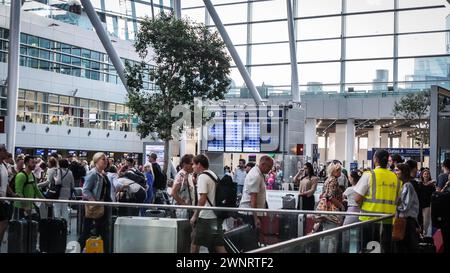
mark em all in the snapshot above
pixel 189 62
pixel 413 106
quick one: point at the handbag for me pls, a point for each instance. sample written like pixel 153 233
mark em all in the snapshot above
pixel 96 211
pixel 399 228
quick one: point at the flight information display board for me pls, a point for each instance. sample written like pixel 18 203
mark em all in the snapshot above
pixel 252 141
pixel 216 141
pixel 233 135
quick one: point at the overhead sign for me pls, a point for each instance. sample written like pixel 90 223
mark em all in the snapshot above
pixel 404 152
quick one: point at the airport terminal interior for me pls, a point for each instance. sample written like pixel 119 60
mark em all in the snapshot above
pixel 324 126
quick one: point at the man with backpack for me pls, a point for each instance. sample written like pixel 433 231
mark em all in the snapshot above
pixel 254 194
pixel 25 185
pixel 207 229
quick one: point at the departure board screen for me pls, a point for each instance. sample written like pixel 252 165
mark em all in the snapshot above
pixel 251 138
pixel 233 136
pixel 216 141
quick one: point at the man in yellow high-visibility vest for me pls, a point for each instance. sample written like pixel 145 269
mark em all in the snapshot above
pixel 377 192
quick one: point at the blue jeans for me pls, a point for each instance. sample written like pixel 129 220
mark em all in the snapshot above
pixel 240 188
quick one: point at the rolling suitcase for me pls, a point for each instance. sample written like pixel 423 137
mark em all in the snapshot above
pixel 155 213
pixel 22 235
pixel 152 235
pixel 52 234
pixel 288 226
pixel 270 229
pixel 94 245
pixel 241 239
pixel 288 201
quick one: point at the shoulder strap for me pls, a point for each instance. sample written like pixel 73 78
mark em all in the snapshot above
pixel 62 176
pixel 215 180
pixel 211 176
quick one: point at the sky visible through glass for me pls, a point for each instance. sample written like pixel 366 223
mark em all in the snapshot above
pixel 379 50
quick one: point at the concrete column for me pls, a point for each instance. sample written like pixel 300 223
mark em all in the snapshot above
pixel 349 142
pixel 332 146
pixel 340 142
pixel 310 136
pixel 373 140
pixel 384 142
pixel 183 144
pixel 404 143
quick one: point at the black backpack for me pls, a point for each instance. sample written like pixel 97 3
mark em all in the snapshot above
pixel 159 177
pixel 137 177
pixel 226 195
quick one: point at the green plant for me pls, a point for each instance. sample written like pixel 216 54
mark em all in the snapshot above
pixel 415 107
pixel 188 61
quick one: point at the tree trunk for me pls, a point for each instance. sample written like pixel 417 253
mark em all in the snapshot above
pixel 166 155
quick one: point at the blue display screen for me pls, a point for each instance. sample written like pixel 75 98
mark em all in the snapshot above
pixel 40 152
pixel 216 141
pixel 233 135
pixel 252 141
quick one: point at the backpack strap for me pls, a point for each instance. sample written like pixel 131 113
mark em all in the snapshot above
pixel 215 181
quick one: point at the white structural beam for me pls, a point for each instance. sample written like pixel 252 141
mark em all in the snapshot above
pixel 349 142
pixel 237 60
pixel 104 38
pixel 293 51
pixel 13 74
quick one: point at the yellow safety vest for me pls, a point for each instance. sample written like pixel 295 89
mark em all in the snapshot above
pixel 384 190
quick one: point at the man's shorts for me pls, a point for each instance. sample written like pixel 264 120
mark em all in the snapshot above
pixel 208 233
pixel 4 211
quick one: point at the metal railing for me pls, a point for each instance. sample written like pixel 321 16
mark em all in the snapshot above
pixel 162 206
pixel 313 237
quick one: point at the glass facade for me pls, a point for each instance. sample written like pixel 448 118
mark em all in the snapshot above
pixel 120 18
pixel 46 108
pixel 342 45
pixel 53 56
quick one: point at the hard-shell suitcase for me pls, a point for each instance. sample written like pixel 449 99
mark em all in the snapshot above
pixel 241 239
pixel 289 201
pixel 270 225
pixel 288 226
pixel 52 234
pixel 152 235
pixel 155 213
pixel 94 245
pixel 22 236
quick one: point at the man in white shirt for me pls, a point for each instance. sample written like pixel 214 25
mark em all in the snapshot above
pixel 254 193
pixel 4 206
pixel 207 229
pixel 239 176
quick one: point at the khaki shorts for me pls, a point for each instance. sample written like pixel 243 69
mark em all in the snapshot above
pixel 208 233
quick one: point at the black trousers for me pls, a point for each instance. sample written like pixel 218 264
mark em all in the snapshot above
pixel 381 233
pixel 98 227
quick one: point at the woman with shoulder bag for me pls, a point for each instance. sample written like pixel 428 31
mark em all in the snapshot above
pixel 97 188
pixel 64 179
pixel 404 231
pixel 331 200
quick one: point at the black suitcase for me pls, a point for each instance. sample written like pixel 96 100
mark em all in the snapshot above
pixel 22 235
pixel 288 226
pixel 155 213
pixel 52 234
pixel 241 239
